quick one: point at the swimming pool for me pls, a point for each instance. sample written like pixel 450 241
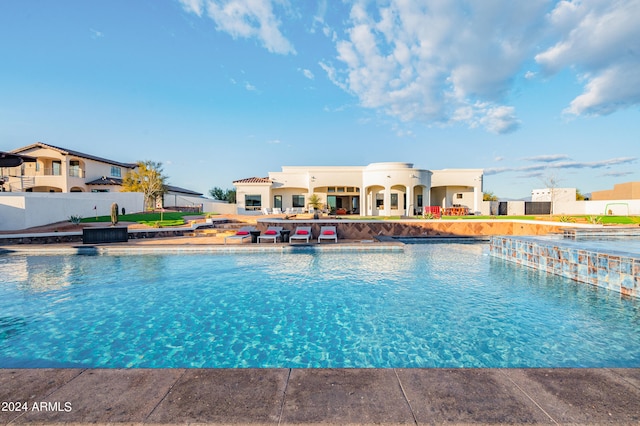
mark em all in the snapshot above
pixel 441 305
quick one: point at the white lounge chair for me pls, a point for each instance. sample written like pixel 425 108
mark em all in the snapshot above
pixel 241 234
pixel 328 233
pixel 302 233
pixel 265 211
pixel 277 210
pixel 272 233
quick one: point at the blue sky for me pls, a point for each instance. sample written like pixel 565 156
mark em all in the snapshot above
pixel 219 90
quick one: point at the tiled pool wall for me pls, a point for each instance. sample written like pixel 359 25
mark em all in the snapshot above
pixel 616 271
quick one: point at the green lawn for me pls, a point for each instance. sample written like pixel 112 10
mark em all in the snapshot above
pixel 151 219
pixel 617 220
pixel 604 219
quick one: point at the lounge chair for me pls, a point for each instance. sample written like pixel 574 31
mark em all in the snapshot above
pixel 302 233
pixel 328 233
pixel 241 234
pixel 272 233
pixel 277 210
pixel 265 211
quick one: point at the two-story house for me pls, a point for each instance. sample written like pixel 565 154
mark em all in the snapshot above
pixel 58 169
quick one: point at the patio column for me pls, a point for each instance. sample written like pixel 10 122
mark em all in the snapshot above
pixel 408 209
pixel 363 202
pixel 475 199
pixel 387 201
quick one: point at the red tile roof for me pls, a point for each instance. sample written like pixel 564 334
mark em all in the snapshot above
pixel 253 180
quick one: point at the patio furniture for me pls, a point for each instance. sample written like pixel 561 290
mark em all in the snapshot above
pixel 328 233
pixel 302 233
pixel 272 233
pixel 436 211
pixel 254 236
pixel 241 234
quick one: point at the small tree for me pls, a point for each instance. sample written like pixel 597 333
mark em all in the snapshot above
pixel 315 201
pixel 148 179
pixel 579 195
pixel 551 181
pixel 489 196
pixel 228 195
pixel 217 193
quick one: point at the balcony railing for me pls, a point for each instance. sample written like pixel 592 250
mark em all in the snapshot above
pixel 50 172
pixel 74 172
pixel 79 173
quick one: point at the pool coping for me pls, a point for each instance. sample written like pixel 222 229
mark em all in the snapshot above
pixel 322 396
pixel 367 246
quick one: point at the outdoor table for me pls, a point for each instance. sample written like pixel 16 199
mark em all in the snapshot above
pixel 285 235
pixel 254 236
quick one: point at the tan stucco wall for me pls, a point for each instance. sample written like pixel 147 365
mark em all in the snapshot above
pixel 620 191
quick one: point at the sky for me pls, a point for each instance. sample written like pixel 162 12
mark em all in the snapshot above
pixel 220 90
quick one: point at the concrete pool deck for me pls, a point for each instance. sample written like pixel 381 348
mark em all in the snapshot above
pixel 321 396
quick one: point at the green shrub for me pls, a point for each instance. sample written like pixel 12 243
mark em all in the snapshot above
pixel 75 219
pixel 595 220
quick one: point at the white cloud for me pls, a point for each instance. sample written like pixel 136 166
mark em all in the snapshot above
pixel 550 162
pixel 548 158
pixel 429 61
pixel 250 87
pixel 245 19
pixel 95 34
pixel 600 39
pixel 307 73
pixel 193 6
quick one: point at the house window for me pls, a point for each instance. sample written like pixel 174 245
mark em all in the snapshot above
pixel 56 168
pixel 459 196
pixel 277 201
pixel 74 168
pixel 420 201
pixel 394 201
pixel 331 189
pixel 297 201
pixel 99 190
pixel 116 171
pixel 252 202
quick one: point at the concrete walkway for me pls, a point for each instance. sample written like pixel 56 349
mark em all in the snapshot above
pixel 321 396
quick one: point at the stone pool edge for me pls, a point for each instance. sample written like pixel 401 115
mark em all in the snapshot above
pixel 613 270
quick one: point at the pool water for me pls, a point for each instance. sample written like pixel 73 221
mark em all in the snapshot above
pixel 441 305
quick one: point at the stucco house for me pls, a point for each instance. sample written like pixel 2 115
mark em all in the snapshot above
pixel 378 189
pixel 64 170
pixel 54 169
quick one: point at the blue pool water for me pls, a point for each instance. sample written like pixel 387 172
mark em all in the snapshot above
pixel 442 305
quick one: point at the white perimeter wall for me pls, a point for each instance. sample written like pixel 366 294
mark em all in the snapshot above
pixel 25 210
pixel 598 208
pixel 209 205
